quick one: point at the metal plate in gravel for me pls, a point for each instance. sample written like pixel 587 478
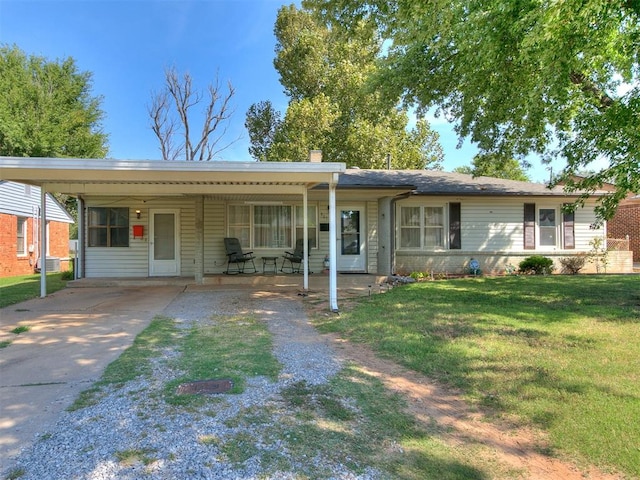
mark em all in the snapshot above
pixel 204 387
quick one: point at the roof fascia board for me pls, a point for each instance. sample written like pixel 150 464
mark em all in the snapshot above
pixel 19 163
pixel 171 189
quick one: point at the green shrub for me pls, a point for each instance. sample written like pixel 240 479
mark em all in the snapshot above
pixel 537 265
pixel 68 275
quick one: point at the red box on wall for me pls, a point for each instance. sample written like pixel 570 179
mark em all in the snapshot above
pixel 138 231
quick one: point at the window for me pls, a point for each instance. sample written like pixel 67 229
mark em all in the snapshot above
pixel 433 227
pixel 108 227
pixel 22 236
pixel 240 224
pixel 271 226
pixel 422 227
pixel 410 227
pixel 543 227
pixel 547 225
pixel 312 225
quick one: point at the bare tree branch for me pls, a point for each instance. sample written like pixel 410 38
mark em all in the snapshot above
pixel 163 126
pixel 180 94
pixel 587 87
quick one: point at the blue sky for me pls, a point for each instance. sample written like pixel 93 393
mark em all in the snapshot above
pixel 128 44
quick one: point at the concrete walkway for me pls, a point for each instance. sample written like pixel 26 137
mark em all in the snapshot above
pixel 73 335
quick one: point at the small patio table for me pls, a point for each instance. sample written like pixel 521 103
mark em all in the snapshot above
pixel 270 262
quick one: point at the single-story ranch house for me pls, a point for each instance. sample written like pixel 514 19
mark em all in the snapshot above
pixel 155 218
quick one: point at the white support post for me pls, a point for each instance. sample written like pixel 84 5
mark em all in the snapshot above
pixel 199 240
pixel 305 236
pixel 79 265
pixel 43 241
pixel 333 239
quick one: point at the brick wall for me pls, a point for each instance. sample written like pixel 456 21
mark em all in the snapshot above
pixel 11 264
pixel 625 222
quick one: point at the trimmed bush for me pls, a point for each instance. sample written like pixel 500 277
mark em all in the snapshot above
pixel 536 265
pixel 574 264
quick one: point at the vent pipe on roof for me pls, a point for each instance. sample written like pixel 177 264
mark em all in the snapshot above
pixel 315 156
pixel 388 161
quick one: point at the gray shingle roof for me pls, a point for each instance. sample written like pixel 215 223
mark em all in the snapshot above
pixel 434 182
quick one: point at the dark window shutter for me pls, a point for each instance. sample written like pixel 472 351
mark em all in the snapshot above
pixel 568 221
pixel 529 226
pixel 455 240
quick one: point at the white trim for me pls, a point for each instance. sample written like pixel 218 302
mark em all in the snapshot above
pixel 21 231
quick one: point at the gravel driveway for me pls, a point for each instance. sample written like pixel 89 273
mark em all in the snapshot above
pixel 83 444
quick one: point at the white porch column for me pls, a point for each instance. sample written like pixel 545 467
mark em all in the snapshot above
pixel 199 240
pixel 79 265
pixel 333 269
pixel 305 236
pixel 43 241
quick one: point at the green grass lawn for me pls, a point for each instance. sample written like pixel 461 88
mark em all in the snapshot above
pixel 558 352
pixel 18 289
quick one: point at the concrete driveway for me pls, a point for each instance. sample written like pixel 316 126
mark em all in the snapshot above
pixel 74 334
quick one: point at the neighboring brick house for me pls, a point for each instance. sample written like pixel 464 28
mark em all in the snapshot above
pixel 20 230
pixel 625 222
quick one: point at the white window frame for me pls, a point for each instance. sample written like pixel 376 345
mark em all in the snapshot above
pixel 21 236
pixel 281 234
pixel 556 227
pixel 312 224
pixel 107 227
pixel 422 227
pixel 248 238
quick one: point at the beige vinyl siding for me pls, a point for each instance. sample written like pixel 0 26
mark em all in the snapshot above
pixel 492 233
pixel 583 233
pixel 490 225
pixel 372 236
pixel 133 261
pixel 187 238
pixel 214 232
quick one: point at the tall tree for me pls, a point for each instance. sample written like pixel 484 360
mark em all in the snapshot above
pixel 323 71
pixel 46 108
pixel 172 115
pixel 490 166
pixel 557 79
pixel 262 122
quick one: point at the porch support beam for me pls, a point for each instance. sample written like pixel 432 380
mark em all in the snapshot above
pixel 199 240
pixel 43 241
pixel 78 266
pixel 305 236
pixel 172 189
pixel 333 269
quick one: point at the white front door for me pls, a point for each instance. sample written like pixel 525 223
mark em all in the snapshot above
pixel 351 248
pixel 164 244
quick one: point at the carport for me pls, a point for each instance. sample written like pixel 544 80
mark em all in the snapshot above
pixel 251 181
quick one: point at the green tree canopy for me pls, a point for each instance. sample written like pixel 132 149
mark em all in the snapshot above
pixel 556 79
pixel 324 71
pixel 489 166
pixel 46 108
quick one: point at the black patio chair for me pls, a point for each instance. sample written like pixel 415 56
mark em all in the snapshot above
pixel 236 257
pixel 294 258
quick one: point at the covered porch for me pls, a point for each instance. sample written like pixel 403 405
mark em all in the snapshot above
pixel 195 194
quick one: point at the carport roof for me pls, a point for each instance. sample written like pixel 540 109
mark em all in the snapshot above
pixel 111 177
